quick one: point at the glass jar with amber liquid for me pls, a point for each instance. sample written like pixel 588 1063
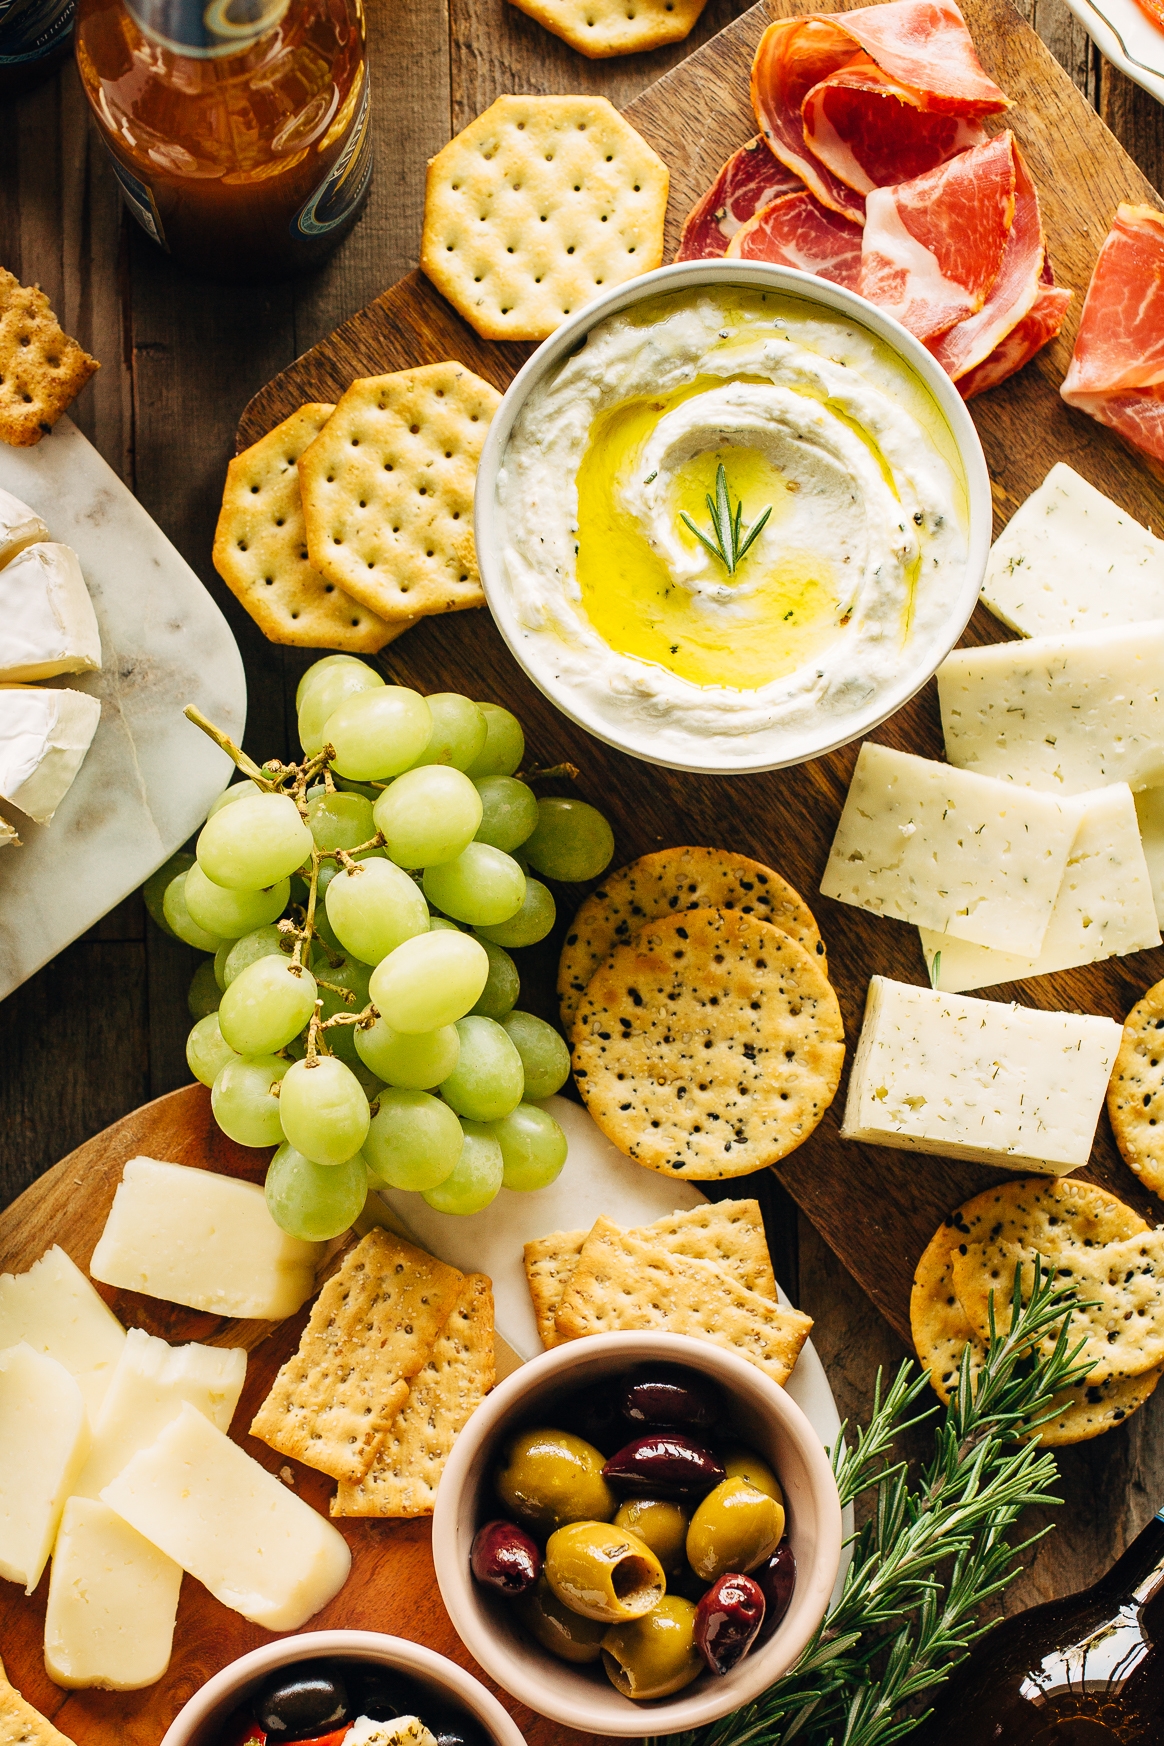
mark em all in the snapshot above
pixel 238 129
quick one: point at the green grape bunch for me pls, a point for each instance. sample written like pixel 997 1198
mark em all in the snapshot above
pixel 359 1011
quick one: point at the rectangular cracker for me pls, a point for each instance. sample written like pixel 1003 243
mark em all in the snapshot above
pixel 458 1374
pixel 20 1724
pixel 624 1281
pixel 371 1328
pixel 549 1262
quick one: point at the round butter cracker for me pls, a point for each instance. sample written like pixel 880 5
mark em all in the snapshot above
pixel 1135 1096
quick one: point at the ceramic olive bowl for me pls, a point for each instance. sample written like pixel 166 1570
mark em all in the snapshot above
pixel 199 1722
pixel 582 1696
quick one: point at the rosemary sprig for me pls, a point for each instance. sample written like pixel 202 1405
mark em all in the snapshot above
pixel 726 526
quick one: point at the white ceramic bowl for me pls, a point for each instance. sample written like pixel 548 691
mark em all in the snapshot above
pixel 778 745
pixel 583 1697
pixel 198 1722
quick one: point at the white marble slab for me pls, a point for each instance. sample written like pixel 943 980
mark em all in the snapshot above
pixel 150 775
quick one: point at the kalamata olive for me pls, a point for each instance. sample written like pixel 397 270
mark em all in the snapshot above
pixel 777 1579
pixel 603 1572
pixel 669 1397
pixel 664 1464
pixel 552 1477
pixel 728 1621
pixel 655 1655
pixel 736 1527
pixel 505 1558
pixel 382 1694
pixel 592 1413
pixel 450 1727
pixel 303 1701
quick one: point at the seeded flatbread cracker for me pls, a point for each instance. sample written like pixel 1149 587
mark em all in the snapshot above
pixel 663 884
pixel 536 207
pixel 710 1046
pixel 371 1329
pixel 20 1724
pixel 387 490
pixel 1135 1096
pixel 625 1281
pixel 42 370
pixel 455 1379
pixel 549 1262
pixel 599 28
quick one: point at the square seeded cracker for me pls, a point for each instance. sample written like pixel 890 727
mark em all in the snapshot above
pixel 371 1329
pixel 20 1724
pixel 549 1264
pixel 42 370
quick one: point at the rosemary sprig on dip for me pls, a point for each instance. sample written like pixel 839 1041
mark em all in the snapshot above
pixel 728 546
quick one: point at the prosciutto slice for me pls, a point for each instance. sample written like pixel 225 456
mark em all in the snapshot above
pixel 870 131
pixel 794 55
pixel 1039 325
pixel 797 231
pixel 749 180
pixel 1117 369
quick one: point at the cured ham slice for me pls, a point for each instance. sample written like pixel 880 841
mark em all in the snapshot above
pixel 870 131
pixel 1039 325
pixel 749 180
pixel 1117 369
pixel 925 44
pixel 797 231
pixel 794 55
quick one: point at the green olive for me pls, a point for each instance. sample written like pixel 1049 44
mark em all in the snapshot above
pixel 661 1524
pixel 603 1572
pixel 735 1528
pixel 656 1655
pixel 564 1633
pixel 551 1477
pixel 741 1463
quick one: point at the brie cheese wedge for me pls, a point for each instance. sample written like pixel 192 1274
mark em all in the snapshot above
pixel 47 622
pixel 44 736
pixel 19 526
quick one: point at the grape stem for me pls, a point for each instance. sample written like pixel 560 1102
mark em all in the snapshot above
pixel 364 1020
pixel 235 753
pixel 550 772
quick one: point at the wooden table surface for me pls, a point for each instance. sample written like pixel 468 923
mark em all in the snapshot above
pixel 103 1028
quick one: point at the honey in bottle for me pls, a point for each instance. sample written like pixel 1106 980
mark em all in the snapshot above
pixel 238 129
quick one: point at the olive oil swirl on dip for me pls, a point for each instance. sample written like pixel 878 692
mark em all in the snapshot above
pixel 603 495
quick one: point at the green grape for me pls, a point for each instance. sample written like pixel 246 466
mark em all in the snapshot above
pixel 477 1177
pixel 181 922
pixel 428 815
pixel 370 790
pixel 532 922
pixel 481 887
pixel 323 1110
pixel 252 845
pixel 573 842
pixel 352 976
pixel 266 1005
pixel 503 987
pixel 329 869
pixel 219 962
pixel 430 981
pixel 319 699
pixel 340 821
pixel 458 731
pixel 315 1202
pixel 504 746
pixel 207 1051
pixel 204 993
pixel 416 1062
pixel 488 1080
pixel 235 792
pixel 509 812
pixel 544 1056
pixel 230 914
pixel 439 922
pixel 377 734
pixel 533 1148
pixel 370 1084
pixel 318 668
pixel 375 908
pixel 154 890
pixel 260 943
pixel 245 1099
pixel 414 1142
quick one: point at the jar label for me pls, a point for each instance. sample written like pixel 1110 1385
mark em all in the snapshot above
pixel 206 29
pixel 345 184
pixel 139 197
pixel 30 29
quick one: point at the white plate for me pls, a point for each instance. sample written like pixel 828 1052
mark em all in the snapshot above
pixel 1126 36
pixel 150 775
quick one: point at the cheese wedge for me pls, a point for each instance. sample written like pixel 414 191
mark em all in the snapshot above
pixel 47 622
pixel 19 526
pixel 55 1310
pixel 44 736
pixel 252 1542
pixel 111 1602
pixel 44 1439
pixel 8 837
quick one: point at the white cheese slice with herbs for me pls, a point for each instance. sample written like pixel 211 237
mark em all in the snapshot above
pixel 1105 907
pixel 964 1078
pixel 44 1439
pixel 20 526
pixel 1150 813
pixel 47 622
pixel 202 1240
pixel 1063 713
pixel 1069 559
pixel 111 1603
pixel 44 736
pixel 54 1309
pixel 251 1541
pixel 949 850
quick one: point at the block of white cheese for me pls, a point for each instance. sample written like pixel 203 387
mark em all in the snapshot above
pixel 111 1602
pixel 249 1539
pixel 150 1385
pixel 203 1240
pixel 1070 559
pixel 977 1079
pixel 1064 713
pixel 959 853
pixel 44 1439
pixel 47 622
pixel 44 736
pixel 1150 813
pixel 19 526
pixel 1105 907
pixel 55 1310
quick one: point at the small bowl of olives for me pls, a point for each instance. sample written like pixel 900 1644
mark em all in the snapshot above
pixel 637 1533
pixel 343 1688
